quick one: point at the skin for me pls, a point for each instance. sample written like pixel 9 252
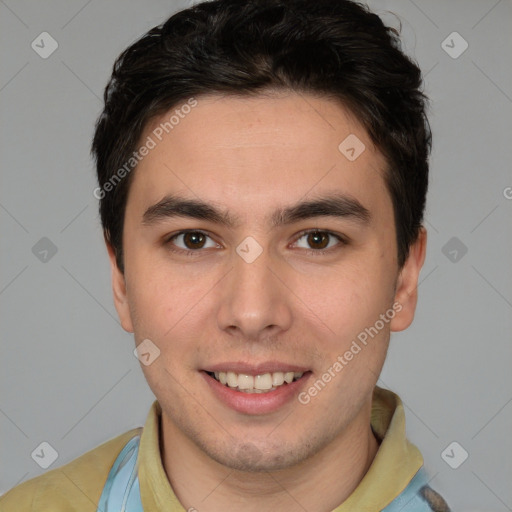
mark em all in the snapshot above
pixel 252 156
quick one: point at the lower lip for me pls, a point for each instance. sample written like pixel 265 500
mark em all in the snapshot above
pixel 256 403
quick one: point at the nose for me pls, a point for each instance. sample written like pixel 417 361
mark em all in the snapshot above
pixel 255 302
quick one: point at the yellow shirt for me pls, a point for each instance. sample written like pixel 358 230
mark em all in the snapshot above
pixel 77 486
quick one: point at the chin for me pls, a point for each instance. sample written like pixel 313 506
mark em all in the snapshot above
pixel 248 457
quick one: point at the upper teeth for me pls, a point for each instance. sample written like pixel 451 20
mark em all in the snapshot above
pixel 264 382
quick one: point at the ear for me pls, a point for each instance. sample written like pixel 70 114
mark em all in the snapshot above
pixel 119 291
pixel 406 294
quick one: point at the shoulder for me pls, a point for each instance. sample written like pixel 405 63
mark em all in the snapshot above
pixel 418 496
pixel 434 500
pixel 76 486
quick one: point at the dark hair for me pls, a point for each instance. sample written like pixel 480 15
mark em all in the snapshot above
pixel 331 48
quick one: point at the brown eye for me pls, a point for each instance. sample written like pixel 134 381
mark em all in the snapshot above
pixel 318 240
pixel 194 240
pixel 190 242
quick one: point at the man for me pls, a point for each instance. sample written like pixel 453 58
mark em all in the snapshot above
pixel 262 168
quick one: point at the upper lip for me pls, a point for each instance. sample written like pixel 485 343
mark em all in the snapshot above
pixel 256 369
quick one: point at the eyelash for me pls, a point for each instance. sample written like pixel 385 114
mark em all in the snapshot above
pixel 310 252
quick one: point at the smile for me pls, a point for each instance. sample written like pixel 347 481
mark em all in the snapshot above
pixel 263 383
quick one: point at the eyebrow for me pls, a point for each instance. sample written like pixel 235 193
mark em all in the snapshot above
pixel 331 205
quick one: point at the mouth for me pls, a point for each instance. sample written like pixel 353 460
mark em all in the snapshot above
pixel 256 390
pixel 256 384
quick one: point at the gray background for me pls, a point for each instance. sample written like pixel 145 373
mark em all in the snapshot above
pixel 68 374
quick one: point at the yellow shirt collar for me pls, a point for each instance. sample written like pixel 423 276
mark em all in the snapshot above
pixel 395 464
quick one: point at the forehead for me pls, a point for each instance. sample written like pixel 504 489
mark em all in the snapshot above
pixel 253 151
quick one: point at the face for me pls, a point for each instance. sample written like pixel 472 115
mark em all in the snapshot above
pixel 255 249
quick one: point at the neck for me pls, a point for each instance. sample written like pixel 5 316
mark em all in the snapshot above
pixel 321 482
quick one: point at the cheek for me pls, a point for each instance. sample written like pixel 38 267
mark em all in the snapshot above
pixel 348 301
pixel 352 288
pixel 166 300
